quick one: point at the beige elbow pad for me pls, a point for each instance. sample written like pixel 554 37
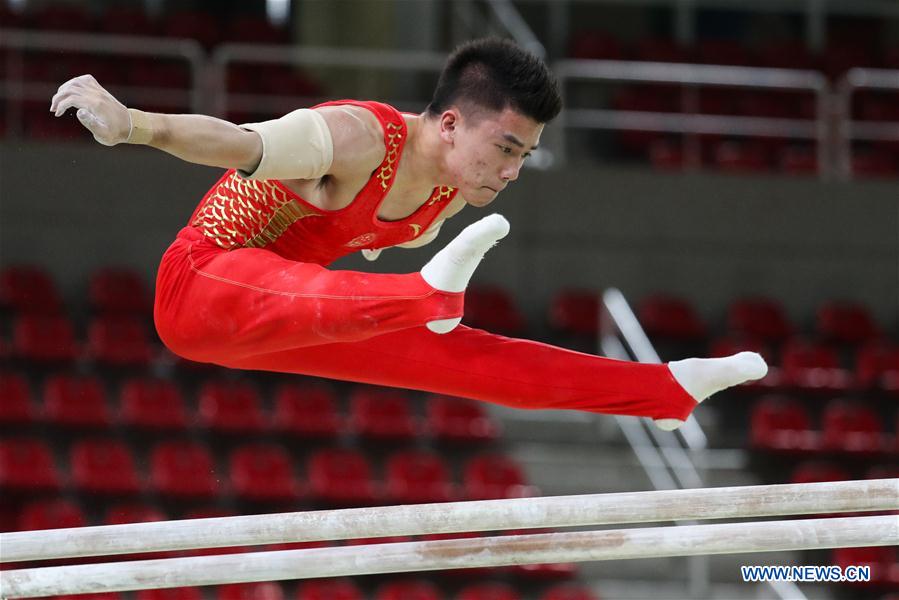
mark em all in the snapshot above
pixel 296 146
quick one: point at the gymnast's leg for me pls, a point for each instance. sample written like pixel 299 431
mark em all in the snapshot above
pixel 474 364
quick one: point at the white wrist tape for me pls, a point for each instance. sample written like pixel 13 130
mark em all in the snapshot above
pixel 296 146
pixel 141 131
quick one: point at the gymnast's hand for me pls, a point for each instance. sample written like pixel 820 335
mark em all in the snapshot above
pixel 103 115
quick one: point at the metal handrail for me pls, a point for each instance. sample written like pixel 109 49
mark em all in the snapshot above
pixel 28 40
pixel 506 13
pixel 662 455
pixel 308 56
pixel 691 75
pixel 848 130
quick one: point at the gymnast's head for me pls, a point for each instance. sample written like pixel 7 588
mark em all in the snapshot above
pixel 491 103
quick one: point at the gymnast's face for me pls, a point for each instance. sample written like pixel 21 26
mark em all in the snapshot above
pixel 487 150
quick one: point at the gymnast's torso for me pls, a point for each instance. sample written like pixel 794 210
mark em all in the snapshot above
pixel 322 220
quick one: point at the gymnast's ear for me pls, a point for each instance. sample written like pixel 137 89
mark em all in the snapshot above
pixel 449 122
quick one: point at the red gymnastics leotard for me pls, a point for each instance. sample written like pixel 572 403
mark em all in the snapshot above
pixel 245 286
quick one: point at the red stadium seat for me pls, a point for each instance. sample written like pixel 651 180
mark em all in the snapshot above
pixel 568 591
pixel 812 367
pixel 152 404
pixel 670 317
pixel 408 590
pixel 263 472
pixel 122 19
pixel 660 50
pixel 787 54
pixel 595 44
pixel 121 514
pixel 119 341
pixel 230 407
pixel 118 290
pixel 16 407
pixel 341 477
pixel 850 427
pixel 170 594
pixel 251 591
pixel 459 420
pixel 63 17
pixel 846 323
pixel 76 401
pixel 27 465
pixel 877 365
pixel 329 589
pixel 493 309
pixel 761 318
pixel 781 423
pixel 51 514
pixel 26 288
pixel 199 26
pixel 873 164
pixel 44 338
pixel 492 476
pixel 255 30
pixel 814 472
pixel 183 469
pixel 723 52
pixel 382 414
pixel 741 157
pixel 103 466
pixel 881 560
pixel 798 160
pixel 575 312
pixel 667 155
pixel 488 591
pixel 418 477
pixel 307 411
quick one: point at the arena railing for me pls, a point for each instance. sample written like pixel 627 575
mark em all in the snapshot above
pixel 691 76
pixel 671 460
pixel 15 90
pixel 848 130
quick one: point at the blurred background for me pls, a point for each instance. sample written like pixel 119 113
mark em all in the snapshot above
pixel 724 177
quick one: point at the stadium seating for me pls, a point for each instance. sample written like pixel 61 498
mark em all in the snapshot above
pixel 230 407
pixel 152 404
pixel 459 420
pixel 27 465
pixel 183 469
pixel 17 407
pixel 418 477
pixel 104 466
pixel 77 402
pixel 341 477
pixel 263 472
pixel 492 476
pixel 382 415
pixel 329 589
pixel 307 411
pixel 408 590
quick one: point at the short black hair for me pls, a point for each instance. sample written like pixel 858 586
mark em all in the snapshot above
pixel 495 74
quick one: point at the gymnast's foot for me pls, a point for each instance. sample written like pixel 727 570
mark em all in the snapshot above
pixel 452 268
pixel 702 377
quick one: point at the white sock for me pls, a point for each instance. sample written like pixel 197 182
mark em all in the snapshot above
pixel 702 377
pixel 451 269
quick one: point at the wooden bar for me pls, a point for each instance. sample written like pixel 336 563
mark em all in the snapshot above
pixel 454 517
pixel 731 538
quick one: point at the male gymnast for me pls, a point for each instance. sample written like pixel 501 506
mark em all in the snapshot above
pixel 245 283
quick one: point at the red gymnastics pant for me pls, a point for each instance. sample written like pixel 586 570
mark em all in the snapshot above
pixel 252 309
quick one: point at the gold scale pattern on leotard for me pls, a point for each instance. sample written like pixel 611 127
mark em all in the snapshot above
pixel 244 213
